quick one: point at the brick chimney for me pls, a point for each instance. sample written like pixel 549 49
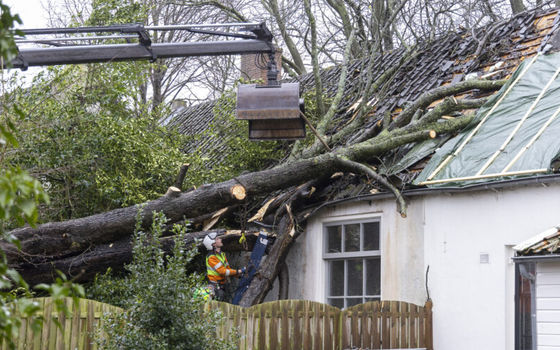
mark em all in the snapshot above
pixel 251 66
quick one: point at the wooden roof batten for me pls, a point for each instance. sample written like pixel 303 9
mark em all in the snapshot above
pixel 550 40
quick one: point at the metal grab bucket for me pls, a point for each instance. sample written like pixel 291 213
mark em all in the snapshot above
pixel 273 111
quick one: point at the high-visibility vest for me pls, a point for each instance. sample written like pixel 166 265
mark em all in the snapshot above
pixel 212 270
pixel 204 293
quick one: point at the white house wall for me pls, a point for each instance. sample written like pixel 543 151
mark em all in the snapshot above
pixel 473 301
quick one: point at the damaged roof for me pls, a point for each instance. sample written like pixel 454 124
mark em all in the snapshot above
pixel 547 242
pixel 493 53
pixel 515 133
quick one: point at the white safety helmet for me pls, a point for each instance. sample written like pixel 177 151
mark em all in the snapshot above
pixel 209 239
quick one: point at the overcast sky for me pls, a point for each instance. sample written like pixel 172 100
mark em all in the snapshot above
pixel 31 12
pixel 33 15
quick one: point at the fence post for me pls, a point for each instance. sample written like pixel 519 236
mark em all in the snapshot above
pixel 429 325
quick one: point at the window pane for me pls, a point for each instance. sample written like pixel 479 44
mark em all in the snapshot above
pixel 372 299
pixel 371 236
pixel 353 301
pixel 334 234
pixel 338 302
pixel 373 278
pixel 336 278
pixel 355 277
pixel 352 238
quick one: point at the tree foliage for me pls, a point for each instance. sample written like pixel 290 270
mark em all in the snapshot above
pixel 93 147
pixel 19 196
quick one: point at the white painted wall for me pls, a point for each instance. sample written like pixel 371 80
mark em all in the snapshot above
pixel 402 247
pixel 548 306
pixel 473 302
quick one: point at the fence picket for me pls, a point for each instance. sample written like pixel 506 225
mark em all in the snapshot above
pixel 365 326
pixel 422 328
pixel 307 326
pixel 327 331
pixel 355 330
pixel 75 333
pixel 284 325
pixel 376 326
pixel 428 331
pixel 404 317
pixel 414 326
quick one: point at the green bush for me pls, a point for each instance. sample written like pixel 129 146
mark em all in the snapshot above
pixel 159 296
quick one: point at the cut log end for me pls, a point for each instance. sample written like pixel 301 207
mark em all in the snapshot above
pixel 238 192
pixel 433 134
pixel 172 191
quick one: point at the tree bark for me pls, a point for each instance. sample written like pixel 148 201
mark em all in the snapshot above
pixel 181 176
pixel 283 282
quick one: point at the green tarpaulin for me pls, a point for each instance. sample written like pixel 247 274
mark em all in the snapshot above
pixel 527 116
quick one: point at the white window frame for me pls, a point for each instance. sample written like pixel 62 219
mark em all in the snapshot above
pixel 345 256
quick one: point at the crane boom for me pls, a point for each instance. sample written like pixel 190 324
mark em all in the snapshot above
pixel 273 110
pixel 258 40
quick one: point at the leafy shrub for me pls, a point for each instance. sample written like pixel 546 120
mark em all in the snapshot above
pixel 159 296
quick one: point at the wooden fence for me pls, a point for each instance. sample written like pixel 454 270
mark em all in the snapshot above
pixel 77 331
pixel 302 324
pixel 285 324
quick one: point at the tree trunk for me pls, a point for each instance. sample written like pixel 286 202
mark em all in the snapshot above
pixel 84 266
pixel 517 6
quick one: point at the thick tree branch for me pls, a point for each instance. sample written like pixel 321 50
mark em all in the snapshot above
pixel 440 92
pixel 315 58
pixel 364 169
pixel 269 269
pixel 181 176
pixel 327 118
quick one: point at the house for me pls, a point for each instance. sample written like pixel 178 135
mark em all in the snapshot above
pixel 472 198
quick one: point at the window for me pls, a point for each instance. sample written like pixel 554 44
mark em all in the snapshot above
pixel 353 258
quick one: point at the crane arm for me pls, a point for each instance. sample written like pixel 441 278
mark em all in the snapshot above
pixel 258 41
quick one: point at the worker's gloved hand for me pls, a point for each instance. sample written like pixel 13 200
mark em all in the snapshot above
pixel 242 271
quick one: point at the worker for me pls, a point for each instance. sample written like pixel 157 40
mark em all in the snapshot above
pixel 217 266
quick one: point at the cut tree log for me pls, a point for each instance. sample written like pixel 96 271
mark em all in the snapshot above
pixel 238 192
pixel 62 239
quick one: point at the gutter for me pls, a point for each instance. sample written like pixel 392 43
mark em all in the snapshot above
pixel 527 181
pixel 536 258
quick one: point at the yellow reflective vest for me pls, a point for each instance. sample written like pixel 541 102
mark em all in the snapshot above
pixel 217 268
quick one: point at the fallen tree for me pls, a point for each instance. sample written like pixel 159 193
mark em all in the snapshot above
pixel 85 246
